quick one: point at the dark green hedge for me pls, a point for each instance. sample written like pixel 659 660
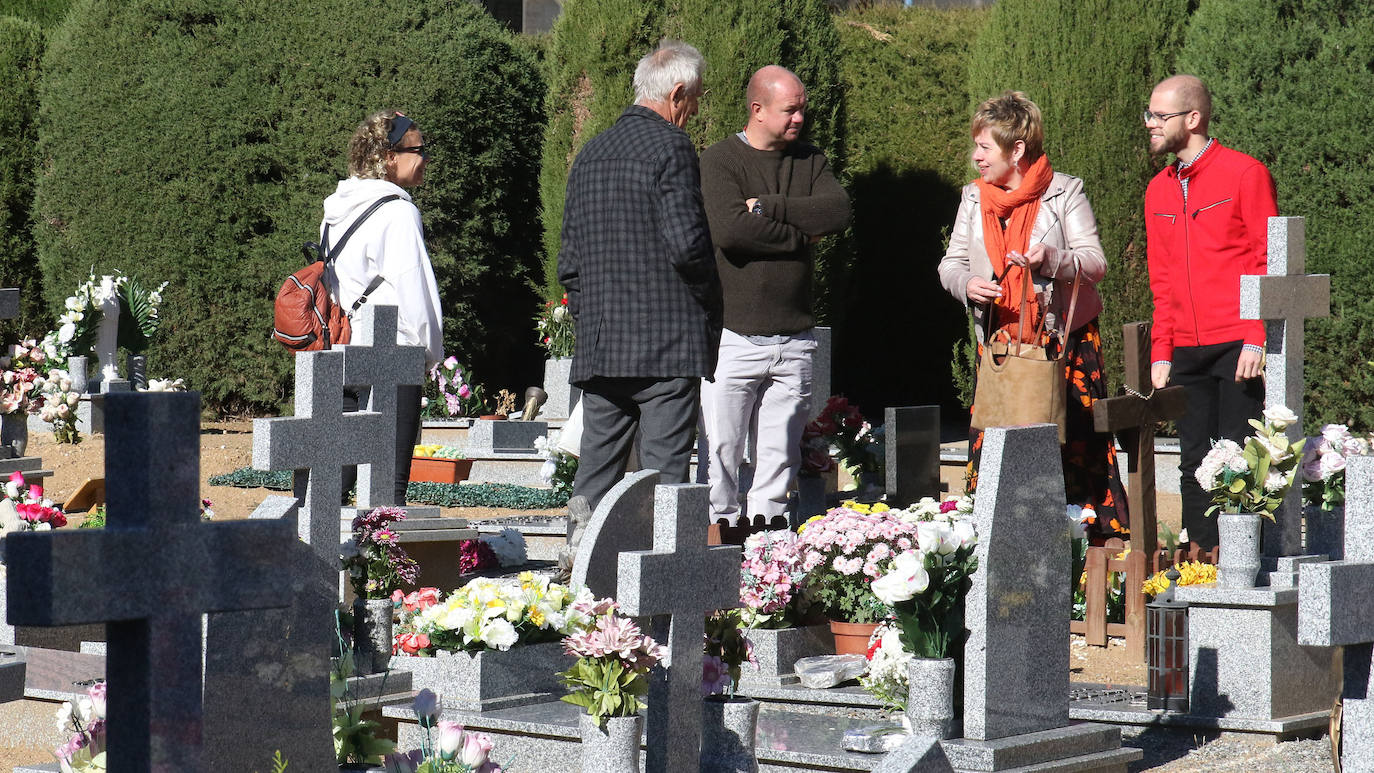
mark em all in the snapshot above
pixel 21 49
pixel 44 13
pixel 1090 66
pixel 597 43
pixel 193 141
pixel 1291 84
pixel 904 73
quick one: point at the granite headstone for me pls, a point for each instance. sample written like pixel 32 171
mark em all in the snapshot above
pixel 623 521
pixel 912 435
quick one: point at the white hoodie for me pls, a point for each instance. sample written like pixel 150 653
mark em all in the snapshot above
pixel 391 243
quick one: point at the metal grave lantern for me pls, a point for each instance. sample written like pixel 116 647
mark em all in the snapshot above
pixel 1167 649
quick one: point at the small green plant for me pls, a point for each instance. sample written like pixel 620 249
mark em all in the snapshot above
pixel 610 677
pixel 355 737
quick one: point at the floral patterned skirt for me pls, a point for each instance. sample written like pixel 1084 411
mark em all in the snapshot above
pixel 1091 477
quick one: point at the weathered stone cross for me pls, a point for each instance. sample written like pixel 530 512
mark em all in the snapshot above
pixel 1133 417
pixel 150 574
pixel 676 585
pixel 1284 298
pixel 374 359
pixel 1335 610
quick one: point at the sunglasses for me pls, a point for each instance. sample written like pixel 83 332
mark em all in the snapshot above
pixel 416 149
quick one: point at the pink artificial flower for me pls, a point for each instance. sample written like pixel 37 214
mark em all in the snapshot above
pixel 476 748
pixel 464 391
pixel 450 739
pixel 715 675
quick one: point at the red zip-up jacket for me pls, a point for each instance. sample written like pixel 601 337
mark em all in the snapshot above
pixel 1198 249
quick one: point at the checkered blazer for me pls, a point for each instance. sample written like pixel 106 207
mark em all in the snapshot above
pixel 636 258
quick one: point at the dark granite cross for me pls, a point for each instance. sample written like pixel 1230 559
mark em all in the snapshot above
pixel 676 585
pixel 1132 417
pixel 149 575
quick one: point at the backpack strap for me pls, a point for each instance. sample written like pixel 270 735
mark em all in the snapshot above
pixel 333 252
pixel 373 285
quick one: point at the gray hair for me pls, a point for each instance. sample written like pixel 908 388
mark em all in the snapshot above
pixel 673 62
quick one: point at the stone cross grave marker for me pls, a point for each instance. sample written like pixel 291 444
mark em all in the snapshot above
pixel 1016 667
pixel 676 585
pixel 1284 298
pixel 1336 609
pixel 619 524
pixel 1132 417
pixel 373 359
pixel 321 439
pixel 912 437
pixel 150 574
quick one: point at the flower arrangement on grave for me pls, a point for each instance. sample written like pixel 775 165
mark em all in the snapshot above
pixel 58 403
pixel 505 402
pixel 555 328
pixel 815 451
pixel 138 318
pixel 842 553
pixel 76 327
pixel 446 747
pixel 843 426
pixel 24 507
pixel 886 678
pixel 1323 465
pixel 449 392
pixel 727 649
pixel 560 466
pixel 610 677
pixel 356 738
pixel 84 751
pixel 494 615
pixel 1191 573
pixel 1256 477
pixel 475 555
pixel 21 378
pixel 162 385
pixel 772 580
pixel 438 451
pixel 925 584
pixel 375 561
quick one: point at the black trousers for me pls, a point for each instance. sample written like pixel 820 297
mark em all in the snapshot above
pixel 407 435
pixel 1217 407
pixel 662 411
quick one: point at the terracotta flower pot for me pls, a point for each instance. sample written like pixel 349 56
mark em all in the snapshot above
pixel 429 469
pixel 851 638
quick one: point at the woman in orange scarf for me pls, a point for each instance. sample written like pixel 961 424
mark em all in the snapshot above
pixel 1021 216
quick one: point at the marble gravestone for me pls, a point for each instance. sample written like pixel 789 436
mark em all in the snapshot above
pixel 675 585
pixel 621 522
pixel 1335 610
pixel 912 437
pixel 150 574
pixel 1016 664
pixel 1284 298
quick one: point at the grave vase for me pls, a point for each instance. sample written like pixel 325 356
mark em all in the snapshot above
pixel 107 339
pixel 137 367
pixel 930 696
pixel 728 724
pixel 14 431
pixel 77 371
pixel 371 635
pixel 851 638
pixel 612 747
pixel 1325 531
pixel 562 394
pixel 1239 540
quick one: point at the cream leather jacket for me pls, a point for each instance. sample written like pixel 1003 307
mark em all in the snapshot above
pixel 1065 222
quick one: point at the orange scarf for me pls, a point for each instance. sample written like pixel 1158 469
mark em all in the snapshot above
pixel 1020 208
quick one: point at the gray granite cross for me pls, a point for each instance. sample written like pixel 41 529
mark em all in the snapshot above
pixel 1284 298
pixel 1336 609
pixel 373 359
pixel 149 575
pixel 322 439
pixel 676 585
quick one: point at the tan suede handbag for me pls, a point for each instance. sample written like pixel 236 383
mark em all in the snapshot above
pixel 1018 383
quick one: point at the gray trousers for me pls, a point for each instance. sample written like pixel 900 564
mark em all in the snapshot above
pixel 662 411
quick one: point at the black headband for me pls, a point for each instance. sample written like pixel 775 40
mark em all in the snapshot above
pixel 399 126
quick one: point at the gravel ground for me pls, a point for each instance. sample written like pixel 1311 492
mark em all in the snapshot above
pixel 1176 751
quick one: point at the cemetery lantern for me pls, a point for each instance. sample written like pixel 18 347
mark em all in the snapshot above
pixel 1167 649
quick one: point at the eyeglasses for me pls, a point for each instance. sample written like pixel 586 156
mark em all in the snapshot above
pixel 1149 116
pixel 416 149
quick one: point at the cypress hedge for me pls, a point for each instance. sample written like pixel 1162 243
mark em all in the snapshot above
pixel 904 73
pixel 1290 83
pixel 1090 66
pixel 193 141
pixel 45 13
pixel 596 44
pixel 21 49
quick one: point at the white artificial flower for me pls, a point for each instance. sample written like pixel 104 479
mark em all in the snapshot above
pixel 1331 463
pixel 1279 416
pixel 66 332
pixel 907 577
pixel 964 532
pixel 1274 481
pixel 499 633
pixel 1277 446
pixel 74 303
pixel 560 312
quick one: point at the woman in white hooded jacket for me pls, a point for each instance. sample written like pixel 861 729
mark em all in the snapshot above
pixel 386 156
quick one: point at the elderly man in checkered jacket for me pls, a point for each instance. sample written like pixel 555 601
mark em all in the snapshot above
pixel 640 272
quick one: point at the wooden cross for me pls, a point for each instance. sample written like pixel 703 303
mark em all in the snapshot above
pixel 676 585
pixel 150 575
pixel 1284 298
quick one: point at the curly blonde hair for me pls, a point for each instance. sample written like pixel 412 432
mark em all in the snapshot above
pixel 368 148
pixel 1011 117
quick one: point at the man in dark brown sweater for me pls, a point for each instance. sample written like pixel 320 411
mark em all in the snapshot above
pixel 769 197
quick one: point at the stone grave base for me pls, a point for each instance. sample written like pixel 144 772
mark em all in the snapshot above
pixel 519 469
pixel 544 537
pixel 1126 706
pixel 778 649
pixel 490 679
pixel 429 539
pixel 1085 747
pixel 12 670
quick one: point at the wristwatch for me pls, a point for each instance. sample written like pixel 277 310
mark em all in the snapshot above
pixel 757 209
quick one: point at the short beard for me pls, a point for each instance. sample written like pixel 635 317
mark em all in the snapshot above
pixel 1170 145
